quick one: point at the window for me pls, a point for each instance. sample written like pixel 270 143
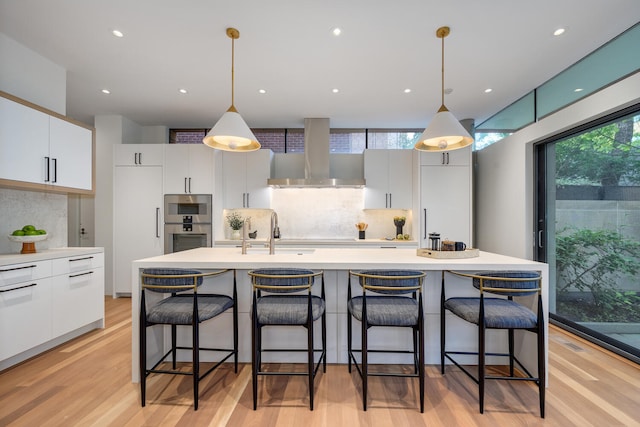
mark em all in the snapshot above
pixel 589 188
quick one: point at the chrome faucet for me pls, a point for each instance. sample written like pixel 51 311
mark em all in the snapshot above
pixel 274 234
pixel 246 224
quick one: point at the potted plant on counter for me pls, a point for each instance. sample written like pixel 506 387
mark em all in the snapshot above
pixel 235 221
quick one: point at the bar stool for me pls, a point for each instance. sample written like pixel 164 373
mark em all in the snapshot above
pixel 391 307
pixel 185 306
pixel 497 313
pixel 282 297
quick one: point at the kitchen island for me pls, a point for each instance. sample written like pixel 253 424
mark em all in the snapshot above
pixel 336 263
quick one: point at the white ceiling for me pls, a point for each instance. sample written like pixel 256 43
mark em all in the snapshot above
pixel 286 47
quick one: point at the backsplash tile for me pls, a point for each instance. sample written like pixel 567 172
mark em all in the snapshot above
pixel 46 211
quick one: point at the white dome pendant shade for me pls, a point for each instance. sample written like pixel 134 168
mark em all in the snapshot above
pixel 444 132
pixel 231 132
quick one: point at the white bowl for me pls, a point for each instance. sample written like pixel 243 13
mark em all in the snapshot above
pixel 28 239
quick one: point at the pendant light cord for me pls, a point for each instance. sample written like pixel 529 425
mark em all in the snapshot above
pixel 233 40
pixel 442 92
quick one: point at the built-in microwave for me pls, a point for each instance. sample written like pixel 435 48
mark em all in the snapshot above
pixel 187 208
pixel 187 222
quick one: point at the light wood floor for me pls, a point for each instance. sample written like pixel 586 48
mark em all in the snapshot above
pixel 87 382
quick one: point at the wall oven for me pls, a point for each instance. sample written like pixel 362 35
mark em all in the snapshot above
pixel 187 222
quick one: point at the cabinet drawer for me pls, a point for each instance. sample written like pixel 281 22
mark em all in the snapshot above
pixel 77 300
pixel 77 263
pixel 25 316
pixel 24 272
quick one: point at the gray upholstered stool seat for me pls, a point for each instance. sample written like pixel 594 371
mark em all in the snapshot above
pixel 498 313
pixel 288 309
pixel 178 310
pixel 385 311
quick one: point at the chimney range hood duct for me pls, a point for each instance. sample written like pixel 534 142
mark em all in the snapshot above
pixel 316 161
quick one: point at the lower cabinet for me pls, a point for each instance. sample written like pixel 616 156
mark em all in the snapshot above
pixel 42 301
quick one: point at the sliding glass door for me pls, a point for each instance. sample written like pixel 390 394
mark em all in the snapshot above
pixel 588 216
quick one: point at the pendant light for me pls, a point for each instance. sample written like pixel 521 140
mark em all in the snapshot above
pixel 231 133
pixel 444 132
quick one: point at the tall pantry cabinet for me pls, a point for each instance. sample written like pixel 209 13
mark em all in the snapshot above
pixel 446 196
pixel 138 206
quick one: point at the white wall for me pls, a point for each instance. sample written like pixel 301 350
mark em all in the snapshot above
pixel 504 187
pixel 27 75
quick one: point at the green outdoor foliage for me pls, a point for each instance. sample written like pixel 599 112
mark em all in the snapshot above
pixel 607 155
pixel 592 261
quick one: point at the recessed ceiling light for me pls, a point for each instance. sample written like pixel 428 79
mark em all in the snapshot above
pixel 407 90
pixel 182 90
pixel 336 31
pixel 117 33
pixel 487 90
pixel 335 91
pixel 558 31
pixel 262 91
pixel 578 89
pixel 106 91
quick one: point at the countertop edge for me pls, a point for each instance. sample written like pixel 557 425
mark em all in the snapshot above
pixel 47 254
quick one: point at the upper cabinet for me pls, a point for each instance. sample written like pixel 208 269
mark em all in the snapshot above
pixel 188 169
pixel 139 155
pixel 460 157
pixel 244 177
pixel 41 150
pixel 388 174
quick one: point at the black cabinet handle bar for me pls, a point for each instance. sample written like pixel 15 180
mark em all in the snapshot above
pixel 19 287
pixel 18 268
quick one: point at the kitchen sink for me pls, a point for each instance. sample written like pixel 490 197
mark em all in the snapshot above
pixel 281 251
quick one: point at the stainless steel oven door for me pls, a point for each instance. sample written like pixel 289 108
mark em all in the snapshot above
pixel 187 208
pixel 181 237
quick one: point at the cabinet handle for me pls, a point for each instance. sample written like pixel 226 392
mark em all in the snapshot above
pixel 189 185
pixel 80 274
pixel 19 287
pixel 135 158
pixel 185 184
pixel 139 158
pixel 55 170
pixel 425 224
pixel 81 259
pixel 157 222
pixel 248 200
pixel 390 204
pixel 18 268
pixel 447 157
pixel 46 163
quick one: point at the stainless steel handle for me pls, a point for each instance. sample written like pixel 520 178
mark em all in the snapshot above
pixel 81 274
pixel 540 238
pixel 19 287
pixel 55 170
pixel 425 224
pixel 18 268
pixel 81 259
pixel 157 222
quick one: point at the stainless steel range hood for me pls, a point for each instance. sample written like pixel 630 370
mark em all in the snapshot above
pixel 316 161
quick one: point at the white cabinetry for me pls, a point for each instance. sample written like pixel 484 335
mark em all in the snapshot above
pixel 445 196
pixel 139 155
pixel 388 174
pixel 244 177
pixel 138 223
pixel 188 169
pixel 46 302
pixel 25 307
pixel 78 292
pixel 41 151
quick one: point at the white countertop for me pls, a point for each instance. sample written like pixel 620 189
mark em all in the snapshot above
pixel 376 242
pixel 46 254
pixel 333 259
